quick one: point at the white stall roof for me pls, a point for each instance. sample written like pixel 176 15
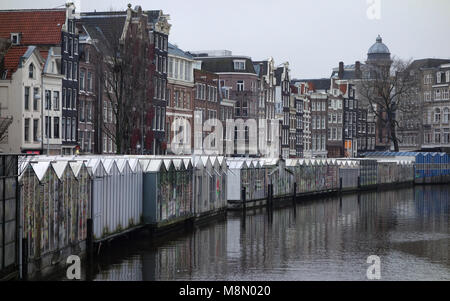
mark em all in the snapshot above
pixel 23 163
pixel 238 165
pixel 331 161
pixel 76 167
pixel 97 167
pixel 110 166
pixel 205 160
pixel 178 164
pixel 144 163
pixel 187 163
pixel 291 162
pixel 155 165
pixel 59 167
pixel 168 163
pixel 40 168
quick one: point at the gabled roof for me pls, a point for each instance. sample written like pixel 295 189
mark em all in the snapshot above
pixel 110 165
pixel 260 67
pixel 105 29
pixel 40 168
pixel 178 164
pixel 12 59
pixel 278 73
pixel 59 167
pixel 37 26
pixel 153 15
pixel 76 167
pixel 97 167
pixel 155 165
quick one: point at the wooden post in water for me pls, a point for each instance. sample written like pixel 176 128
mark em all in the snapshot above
pixel 271 197
pixel 293 198
pixel 244 207
pixel 89 238
pixel 24 258
pixel 89 249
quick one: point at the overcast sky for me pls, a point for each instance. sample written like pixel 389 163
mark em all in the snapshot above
pixel 313 35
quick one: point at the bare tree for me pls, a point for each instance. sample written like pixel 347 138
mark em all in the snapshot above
pixel 125 78
pixel 5 122
pixel 390 92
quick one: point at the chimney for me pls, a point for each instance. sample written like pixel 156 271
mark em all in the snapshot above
pixel 341 70
pixel 357 69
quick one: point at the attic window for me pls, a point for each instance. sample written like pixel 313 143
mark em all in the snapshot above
pixel 15 38
pixel 31 71
pixel 239 65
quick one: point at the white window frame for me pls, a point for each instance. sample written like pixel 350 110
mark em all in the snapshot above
pixel 239 64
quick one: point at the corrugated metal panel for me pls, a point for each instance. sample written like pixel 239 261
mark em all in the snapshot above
pixel 9 206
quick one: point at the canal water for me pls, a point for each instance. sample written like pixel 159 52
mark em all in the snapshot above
pixel 321 239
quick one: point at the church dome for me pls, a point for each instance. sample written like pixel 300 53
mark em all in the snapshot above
pixel 378 50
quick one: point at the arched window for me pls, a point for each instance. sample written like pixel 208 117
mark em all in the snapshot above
pixel 31 71
pixel 437 115
pixel 446 115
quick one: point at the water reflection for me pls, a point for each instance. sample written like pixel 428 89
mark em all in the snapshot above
pixel 328 239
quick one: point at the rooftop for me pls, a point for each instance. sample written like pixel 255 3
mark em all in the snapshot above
pixel 378 47
pixel 226 64
pixel 37 27
pixel 104 29
pixel 174 50
pixel 12 59
pixel 316 84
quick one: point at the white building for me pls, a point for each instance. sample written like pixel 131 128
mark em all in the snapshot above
pixel 20 97
pixel 180 101
pixel 52 111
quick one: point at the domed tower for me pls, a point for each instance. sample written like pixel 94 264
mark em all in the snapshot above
pixel 378 67
pixel 379 54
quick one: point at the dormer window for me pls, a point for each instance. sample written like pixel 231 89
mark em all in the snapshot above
pixel 31 71
pixel 15 38
pixel 239 65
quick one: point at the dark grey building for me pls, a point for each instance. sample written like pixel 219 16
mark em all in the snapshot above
pixel 159 39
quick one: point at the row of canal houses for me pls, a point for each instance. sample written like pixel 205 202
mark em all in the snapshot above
pixel 58 91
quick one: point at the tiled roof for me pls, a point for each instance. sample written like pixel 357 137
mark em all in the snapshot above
pixel 12 59
pixel 38 27
pixel 44 54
